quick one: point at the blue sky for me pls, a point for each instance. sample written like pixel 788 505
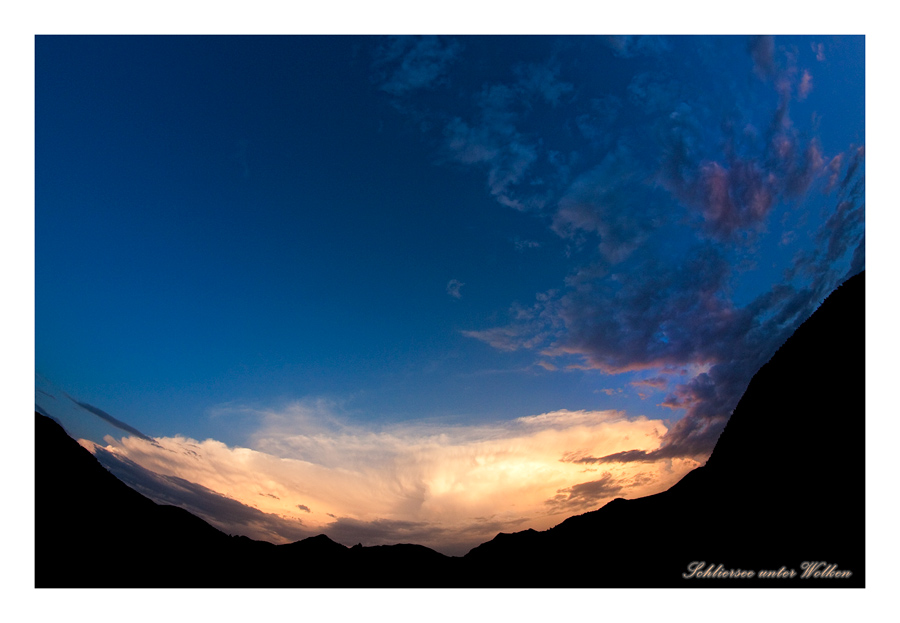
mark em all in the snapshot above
pixel 288 244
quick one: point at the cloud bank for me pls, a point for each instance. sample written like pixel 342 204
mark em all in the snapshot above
pixel 309 472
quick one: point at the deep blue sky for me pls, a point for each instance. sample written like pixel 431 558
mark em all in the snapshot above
pixel 249 221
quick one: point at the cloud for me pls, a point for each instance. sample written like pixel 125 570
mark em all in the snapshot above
pixel 407 64
pixel 227 514
pixel 490 131
pixel 734 194
pixel 660 314
pixel 819 50
pixel 453 288
pixel 628 46
pixel 585 495
pixel 664 186
pixel 543 79
pixel 307 471
pixel 493 142
pixel 657 382
pixel 805 86
pixel 106 416
pixel 669 315
pixel 612 201
pixel 762 50
pixel 522 245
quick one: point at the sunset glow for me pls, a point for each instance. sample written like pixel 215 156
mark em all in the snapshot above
pixel 450 486
pixel 426 289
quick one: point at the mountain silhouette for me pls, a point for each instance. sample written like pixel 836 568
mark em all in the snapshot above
pixel 784 490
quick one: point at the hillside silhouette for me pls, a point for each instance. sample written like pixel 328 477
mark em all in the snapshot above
pixel 784 486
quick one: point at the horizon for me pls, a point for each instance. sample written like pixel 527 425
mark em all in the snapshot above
pixel 434 287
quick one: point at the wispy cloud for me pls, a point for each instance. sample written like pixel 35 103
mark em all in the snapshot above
pixel 657 382
pixel 453 288
pixel 106 416
pixel 407 64
pixel 522 245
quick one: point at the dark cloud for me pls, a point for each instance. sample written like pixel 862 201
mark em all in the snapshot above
pixel 585 495
pixel 304 508
pixel 225 513
pixel 380 531
pixel 671 314
pixel 857 158
pixel 626 456
pixel 659 315
pixel 762 50
pixel 106 416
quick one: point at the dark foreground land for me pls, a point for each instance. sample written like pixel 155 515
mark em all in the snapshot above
pixel 785 486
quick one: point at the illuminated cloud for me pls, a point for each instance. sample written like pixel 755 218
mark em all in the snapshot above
pixel 449 488
pixel 662 204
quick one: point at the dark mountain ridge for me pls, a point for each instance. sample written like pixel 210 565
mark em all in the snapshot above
pixel 784 488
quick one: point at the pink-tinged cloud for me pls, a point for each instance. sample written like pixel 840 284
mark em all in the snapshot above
pixel 805 87
pixel 657 382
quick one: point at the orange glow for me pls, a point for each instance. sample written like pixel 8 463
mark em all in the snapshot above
pixel 453 479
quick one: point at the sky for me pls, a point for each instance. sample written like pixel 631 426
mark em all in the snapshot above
pixel 426 289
